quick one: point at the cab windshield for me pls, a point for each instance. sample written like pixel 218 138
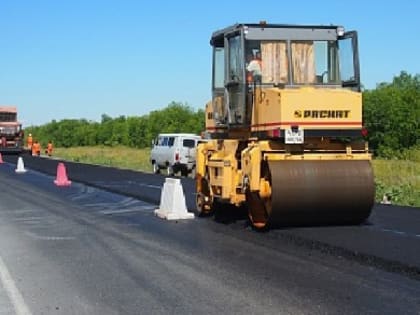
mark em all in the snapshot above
pixel 8 117
pixel 308 62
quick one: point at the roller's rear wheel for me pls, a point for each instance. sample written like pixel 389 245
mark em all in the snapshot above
pixel 204 201
pixel 257 210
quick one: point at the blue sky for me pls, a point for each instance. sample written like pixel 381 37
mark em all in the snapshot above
pixel 80 59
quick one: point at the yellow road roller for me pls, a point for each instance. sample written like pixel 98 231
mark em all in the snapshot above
pixel 284 127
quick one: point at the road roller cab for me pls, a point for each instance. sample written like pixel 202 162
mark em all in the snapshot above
pixel 285 121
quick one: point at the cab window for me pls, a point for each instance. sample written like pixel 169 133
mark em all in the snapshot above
pixel 346 58
pixel 315 62
pixel 219 68
pixel 235 59
pixel 271 59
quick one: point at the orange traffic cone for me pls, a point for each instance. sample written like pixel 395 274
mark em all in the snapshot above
pixel 1 159
pixel 61 179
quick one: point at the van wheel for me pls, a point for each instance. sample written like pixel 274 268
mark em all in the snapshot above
pixel 169 170
pixel 156 169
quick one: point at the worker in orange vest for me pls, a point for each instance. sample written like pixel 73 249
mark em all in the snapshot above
pixel 29 142
pixel 49 148
pixel 36 148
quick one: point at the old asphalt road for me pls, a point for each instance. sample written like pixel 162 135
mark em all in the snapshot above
pixel 81 250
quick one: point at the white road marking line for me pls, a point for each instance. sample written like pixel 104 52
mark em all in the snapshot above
pixel 97 205
pixel 117 184
pixel 128 202
pixel 28 219
pixel 395 232
pixel 109 184
pixel 19 210
pixel 12 291
pixel 49 238
pixel 117 211
pixel 152 186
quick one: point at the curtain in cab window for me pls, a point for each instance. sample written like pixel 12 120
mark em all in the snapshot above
pixel 303 62
pixel 274 62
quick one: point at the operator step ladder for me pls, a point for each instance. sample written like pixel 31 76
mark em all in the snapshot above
pixel 172 201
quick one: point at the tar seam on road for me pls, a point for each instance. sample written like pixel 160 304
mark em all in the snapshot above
pixel 12 291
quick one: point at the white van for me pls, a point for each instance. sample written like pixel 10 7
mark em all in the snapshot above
pixel 174 152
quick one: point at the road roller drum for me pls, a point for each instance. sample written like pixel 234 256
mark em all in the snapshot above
pixel 314 192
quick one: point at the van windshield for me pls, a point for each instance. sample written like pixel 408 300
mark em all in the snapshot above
pixel 189 143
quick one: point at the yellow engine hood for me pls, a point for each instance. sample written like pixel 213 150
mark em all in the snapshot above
pixel 308 108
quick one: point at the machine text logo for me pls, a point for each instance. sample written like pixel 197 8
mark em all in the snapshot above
pixel 324 114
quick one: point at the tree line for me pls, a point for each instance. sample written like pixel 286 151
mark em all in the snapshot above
pixel 391 114
pixel 134 131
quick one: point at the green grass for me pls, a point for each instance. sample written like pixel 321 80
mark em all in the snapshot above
pixel 398 179
pixel 121 157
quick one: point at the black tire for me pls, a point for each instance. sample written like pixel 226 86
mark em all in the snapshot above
pixel 184 172
pixel 155 168
pixel 169 170
pixel 203 201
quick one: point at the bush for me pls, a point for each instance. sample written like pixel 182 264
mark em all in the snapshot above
pixel 392 115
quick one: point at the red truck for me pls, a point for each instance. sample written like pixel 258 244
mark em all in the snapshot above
pixel 11 133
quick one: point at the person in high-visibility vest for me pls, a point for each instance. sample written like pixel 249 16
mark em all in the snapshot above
pixel 36 148
pixel 49 149
pixel 29 142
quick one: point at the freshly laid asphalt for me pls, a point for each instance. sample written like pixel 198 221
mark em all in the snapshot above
pixel 390 239
pixel 82 250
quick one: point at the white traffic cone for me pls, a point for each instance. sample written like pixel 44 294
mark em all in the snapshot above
pixel 172 201
pixel 20 166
